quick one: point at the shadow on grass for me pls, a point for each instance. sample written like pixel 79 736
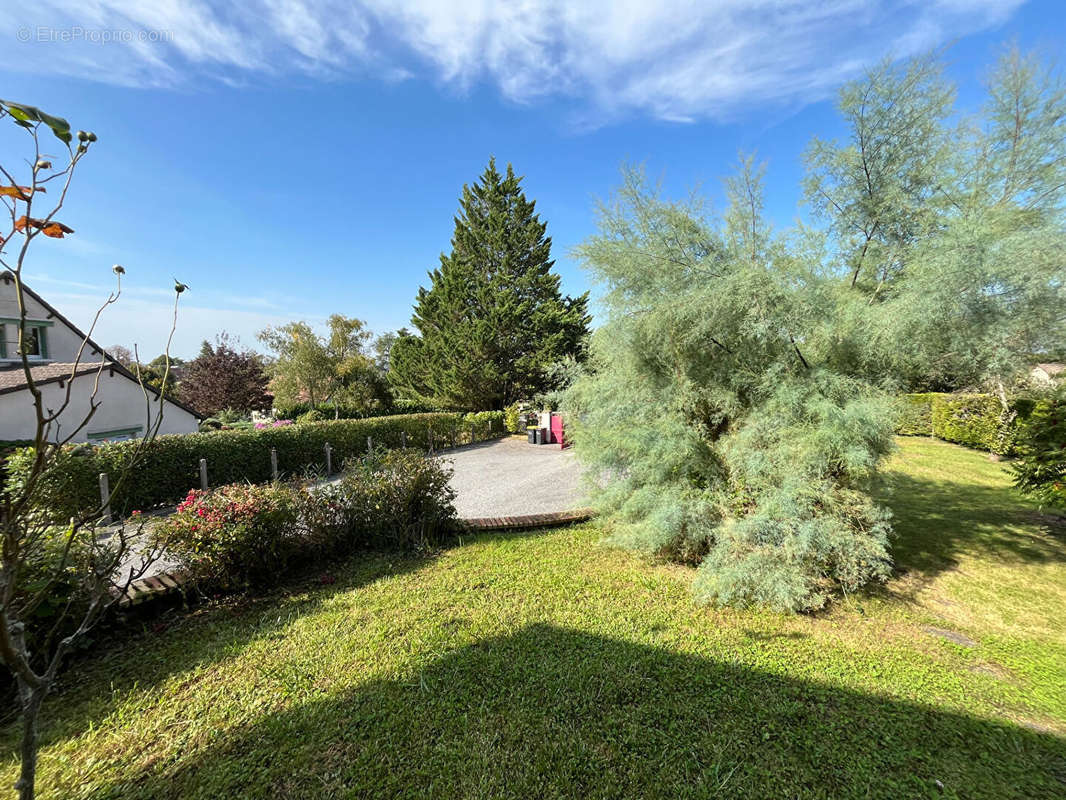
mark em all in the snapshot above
pixel 147 650
pixel 150 646
pixel 550 712
pixel 937 520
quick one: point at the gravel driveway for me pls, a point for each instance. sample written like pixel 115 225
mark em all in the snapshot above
pixel 509 477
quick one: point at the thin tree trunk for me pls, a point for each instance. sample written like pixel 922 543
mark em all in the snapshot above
pixel 31 707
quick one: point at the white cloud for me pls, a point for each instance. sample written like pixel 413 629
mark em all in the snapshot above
pixel 674 59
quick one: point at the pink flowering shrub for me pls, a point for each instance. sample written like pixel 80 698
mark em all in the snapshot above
pixel 241 534
pixel 246 535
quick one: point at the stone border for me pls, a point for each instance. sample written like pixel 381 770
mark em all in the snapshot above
pixel 163 583
pixel 526 521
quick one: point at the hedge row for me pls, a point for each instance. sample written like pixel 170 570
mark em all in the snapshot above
pixel 170 467
pixel 973 420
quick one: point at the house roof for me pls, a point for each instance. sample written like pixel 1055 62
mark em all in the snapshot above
pixel 13 378
pixel 111 364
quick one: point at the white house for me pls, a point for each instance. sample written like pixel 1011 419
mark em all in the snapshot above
pixel 54 341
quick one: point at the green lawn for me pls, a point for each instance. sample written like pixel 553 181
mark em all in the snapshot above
pixel 545 665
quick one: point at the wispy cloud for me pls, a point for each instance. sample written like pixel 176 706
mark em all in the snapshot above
pixel 673 59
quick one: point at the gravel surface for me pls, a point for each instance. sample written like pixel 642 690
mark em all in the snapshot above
pixel 509 477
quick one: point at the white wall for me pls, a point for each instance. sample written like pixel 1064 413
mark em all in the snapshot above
pixel 121 406
pixel 63 343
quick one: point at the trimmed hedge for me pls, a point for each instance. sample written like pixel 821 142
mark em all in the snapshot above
pixel 170 467
pixel 915 414
pixel 1040 470
pixel 973 420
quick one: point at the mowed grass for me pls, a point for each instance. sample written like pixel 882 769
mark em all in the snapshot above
pixel 545 665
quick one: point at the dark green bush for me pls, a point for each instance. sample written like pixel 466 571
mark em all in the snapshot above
pixel 393 500
pixel 170 467
pixel 313 415
pixel 974 420
pixel 1040 467
pixel 915 414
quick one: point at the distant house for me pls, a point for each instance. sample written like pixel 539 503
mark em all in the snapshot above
pixel 53 345
pixel 1045 374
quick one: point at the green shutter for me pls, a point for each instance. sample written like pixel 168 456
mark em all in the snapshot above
pixel 3 341
pixel 42 340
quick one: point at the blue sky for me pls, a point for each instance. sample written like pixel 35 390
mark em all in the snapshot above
pixel 296 158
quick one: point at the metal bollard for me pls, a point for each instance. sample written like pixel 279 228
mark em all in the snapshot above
pixel 203 474
pixel 274 463
pixel 329 460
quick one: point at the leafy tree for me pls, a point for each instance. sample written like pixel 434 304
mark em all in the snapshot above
pixel 223 376
pixel 738 402
pixel 493 318
pixel 323 370
pixel 163 367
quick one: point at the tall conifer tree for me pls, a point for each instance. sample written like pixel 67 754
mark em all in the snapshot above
pixel 493 319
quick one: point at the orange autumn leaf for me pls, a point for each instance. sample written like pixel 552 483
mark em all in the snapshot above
pixel 54 229
pixel 19 192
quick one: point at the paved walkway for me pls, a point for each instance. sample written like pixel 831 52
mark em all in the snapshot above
pixel 510 477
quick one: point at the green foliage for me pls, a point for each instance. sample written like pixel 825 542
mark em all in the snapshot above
pixel 28 116
pixel 493 318
pixel 55 565
pixel 228 416
pixel 236 535
pixel 738 402
pixel 332 369
pixel 244 535
pixel 479 425
pixel 1040 467
pixel 914 414
pixel 169 468
pixel 395 500
pixel 512 418
pixel 974 420
pixel 948 237
pixel 312 415
pixel 724 441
